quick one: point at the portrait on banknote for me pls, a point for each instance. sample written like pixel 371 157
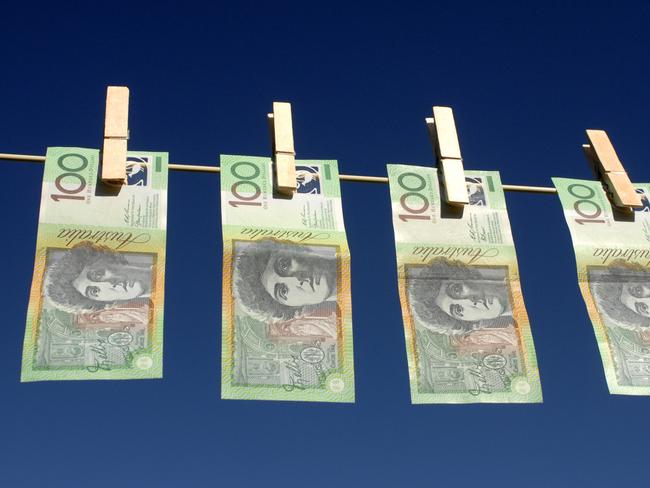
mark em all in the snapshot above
pixel 90 277
pixel 285 297
pixel 621 292
pixel 95 311
pixel 464 328
pixel 450 297
pixel 278 280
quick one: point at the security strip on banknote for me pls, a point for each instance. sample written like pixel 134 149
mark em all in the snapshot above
pixel 612 250
pixel 468 338
pixel 287 317
pixel 96 301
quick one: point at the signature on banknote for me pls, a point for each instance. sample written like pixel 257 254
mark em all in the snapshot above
pixel 101 356
pixel 488 373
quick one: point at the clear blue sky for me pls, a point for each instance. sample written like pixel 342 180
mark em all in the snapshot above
pixel 525 79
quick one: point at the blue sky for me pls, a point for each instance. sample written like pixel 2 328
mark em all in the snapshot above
pixel 525 80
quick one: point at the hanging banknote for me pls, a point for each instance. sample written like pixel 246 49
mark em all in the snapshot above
pixel 96 302
pixel 287 318
pixel 467 333
pixel 612 250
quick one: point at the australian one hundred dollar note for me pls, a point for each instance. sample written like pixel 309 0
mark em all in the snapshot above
pixel 467 333
pixel 287 318
pixel 96 301
pixel 612 250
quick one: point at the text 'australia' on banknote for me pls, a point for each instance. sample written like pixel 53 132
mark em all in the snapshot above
pixel 612 250
pixel 468 338
pixel 287 318
pixel 96 302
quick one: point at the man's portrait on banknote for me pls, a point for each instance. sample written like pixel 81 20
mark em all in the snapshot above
pixel 450 297
pixel 90 277
pixel 622 294
pixel 277 280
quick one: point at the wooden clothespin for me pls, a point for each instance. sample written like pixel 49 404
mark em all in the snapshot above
pixel 442 131
pixel 284 155
pixel 604 160
pixel 116 133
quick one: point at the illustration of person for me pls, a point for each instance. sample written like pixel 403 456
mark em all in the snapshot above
pixel 90 277
pixel 450 297
pixel 622 293
pixel 277 281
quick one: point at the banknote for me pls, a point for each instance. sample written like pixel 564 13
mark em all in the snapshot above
pixel 468 338
pixel 96 301
pixel 287 317
pixel 612 250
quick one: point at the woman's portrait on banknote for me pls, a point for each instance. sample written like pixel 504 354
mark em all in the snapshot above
pixel 622 294
pixel 89 277
pixel 450 297
pixel 278 280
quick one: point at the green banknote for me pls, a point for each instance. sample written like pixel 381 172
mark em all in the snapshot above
pixel 468 339
pixel 287 317
pixel 96 302
pixel 613 258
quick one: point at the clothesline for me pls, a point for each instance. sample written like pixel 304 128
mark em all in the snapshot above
pixel 216 169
